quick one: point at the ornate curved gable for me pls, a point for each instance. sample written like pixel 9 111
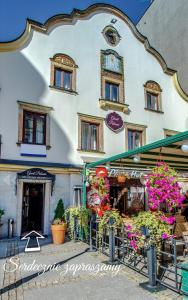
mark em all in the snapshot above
pixel 81 14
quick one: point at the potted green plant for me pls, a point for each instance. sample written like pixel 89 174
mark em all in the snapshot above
pixel 59 225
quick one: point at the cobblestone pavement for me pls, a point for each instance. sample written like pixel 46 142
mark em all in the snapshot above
pixel 69 285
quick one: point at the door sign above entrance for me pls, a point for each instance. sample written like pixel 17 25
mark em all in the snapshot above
pixel 37 174
pixel 114 121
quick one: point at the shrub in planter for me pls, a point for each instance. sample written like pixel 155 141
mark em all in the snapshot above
pixel 59 225
pixel 59 211
pixel 82 214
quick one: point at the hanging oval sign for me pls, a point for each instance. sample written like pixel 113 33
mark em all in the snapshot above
pixel 114 122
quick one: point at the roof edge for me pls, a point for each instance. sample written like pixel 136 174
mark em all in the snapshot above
pixel 77 14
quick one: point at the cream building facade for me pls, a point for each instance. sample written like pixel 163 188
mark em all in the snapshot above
pixel 65 88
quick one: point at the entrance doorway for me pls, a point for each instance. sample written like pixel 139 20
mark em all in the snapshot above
pixel 32 206
pixel 119 198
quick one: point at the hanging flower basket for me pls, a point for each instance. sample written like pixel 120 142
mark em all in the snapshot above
pixel 121 178
pixel 163 188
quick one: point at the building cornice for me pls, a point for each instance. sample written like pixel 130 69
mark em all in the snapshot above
pixel 31 106
pixel 55 168
pixel 82 14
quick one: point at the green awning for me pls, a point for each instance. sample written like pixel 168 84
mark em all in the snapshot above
pixel 168 150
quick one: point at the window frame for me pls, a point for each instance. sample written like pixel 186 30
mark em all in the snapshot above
pixel 169 132
pixel 112 84
pixel 115 32
pixel 113 78
pixel 33 108
pixel 153 88
pixel 157 100
pixel 90 137
pixel 63 71
pixel 35 115
pixel 135 127
pixel 134 131
pixel 64 63
pixel 80 190
pixel 91 120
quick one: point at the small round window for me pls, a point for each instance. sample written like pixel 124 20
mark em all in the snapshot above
pixel 111 35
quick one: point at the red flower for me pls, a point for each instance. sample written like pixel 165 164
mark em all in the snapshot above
pixel 100 213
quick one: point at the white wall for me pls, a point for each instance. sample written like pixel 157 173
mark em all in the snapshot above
pixel 25 75
pixel 8 199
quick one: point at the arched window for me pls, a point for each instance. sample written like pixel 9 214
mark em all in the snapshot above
pixel 153 96
pixel 63 73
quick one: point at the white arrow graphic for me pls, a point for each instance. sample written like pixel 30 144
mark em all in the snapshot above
pixel 32 241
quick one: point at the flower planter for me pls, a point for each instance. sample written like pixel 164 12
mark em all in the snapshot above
pixel 58 233
pixel 121 178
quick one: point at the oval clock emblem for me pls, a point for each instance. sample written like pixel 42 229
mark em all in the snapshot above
pixel 114 122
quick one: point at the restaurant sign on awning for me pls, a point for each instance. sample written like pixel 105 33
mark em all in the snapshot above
pixel 128 172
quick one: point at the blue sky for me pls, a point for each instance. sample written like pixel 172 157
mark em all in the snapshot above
pixel 13 13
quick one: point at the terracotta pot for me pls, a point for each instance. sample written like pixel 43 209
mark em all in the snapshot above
pixel 121 178
pixel 58 233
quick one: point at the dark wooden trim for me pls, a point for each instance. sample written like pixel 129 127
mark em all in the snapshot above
pixel 63 90
pixel 153 110
pixel 144 164
pixel 135 130
pixel 63 71
pixel 91 151
pixel 111 83
pixel 98 132
pixel 34 114
pixel 48 147
pixel 163 154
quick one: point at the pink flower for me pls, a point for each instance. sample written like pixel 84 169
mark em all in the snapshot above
pixel 133 244
pixel 169 220
pixel 128 227
pixel 129 235
pixel 165 236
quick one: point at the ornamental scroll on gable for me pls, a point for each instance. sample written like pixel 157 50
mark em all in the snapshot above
pixel 153 86
pixel 64 59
